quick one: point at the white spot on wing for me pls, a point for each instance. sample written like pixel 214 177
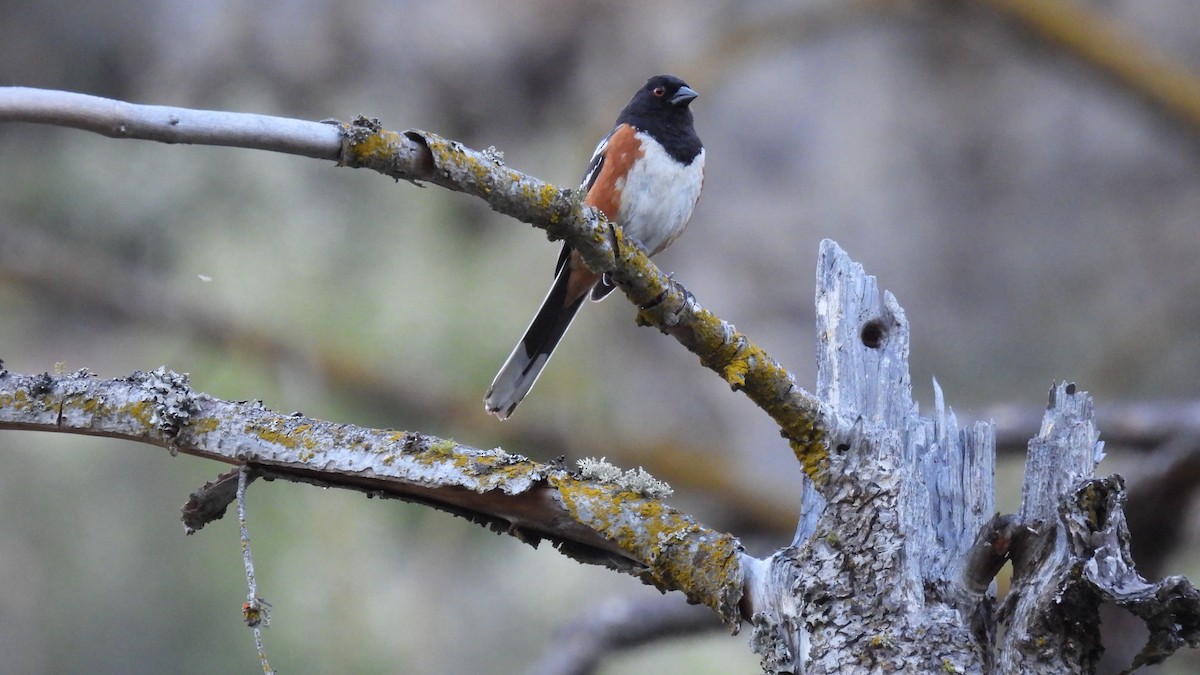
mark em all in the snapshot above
pixel 594 165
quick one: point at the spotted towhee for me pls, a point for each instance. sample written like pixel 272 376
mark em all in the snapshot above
pixel 646 175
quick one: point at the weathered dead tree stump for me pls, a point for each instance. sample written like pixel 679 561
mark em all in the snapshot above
pixel 893 561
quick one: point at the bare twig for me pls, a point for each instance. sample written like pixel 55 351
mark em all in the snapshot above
pixel 166 124
pixel 616 624
pixel 255 611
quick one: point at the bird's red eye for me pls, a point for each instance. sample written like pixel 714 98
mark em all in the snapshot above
pixel 659 91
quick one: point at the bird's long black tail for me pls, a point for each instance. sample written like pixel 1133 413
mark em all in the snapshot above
pixel 521 370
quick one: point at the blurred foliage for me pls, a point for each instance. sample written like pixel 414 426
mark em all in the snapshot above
pixel 1036 217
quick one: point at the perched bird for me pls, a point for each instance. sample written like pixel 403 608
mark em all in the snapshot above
pixel 646 175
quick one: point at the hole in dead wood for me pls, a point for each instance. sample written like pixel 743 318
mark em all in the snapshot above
pixel 874 333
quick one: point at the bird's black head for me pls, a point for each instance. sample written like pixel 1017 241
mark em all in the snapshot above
pixel 660 108
pixel 661 95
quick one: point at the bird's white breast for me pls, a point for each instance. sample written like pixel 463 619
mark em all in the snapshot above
pixel 658 196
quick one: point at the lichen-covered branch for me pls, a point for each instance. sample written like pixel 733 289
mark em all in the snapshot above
pixel 422 156
pixel 664 302
pixel 603 521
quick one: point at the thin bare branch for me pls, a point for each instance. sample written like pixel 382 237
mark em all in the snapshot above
pixel 581 646
pixel 166 124
pixel 255 611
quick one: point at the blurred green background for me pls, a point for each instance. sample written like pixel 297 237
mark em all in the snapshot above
pixel 1037 218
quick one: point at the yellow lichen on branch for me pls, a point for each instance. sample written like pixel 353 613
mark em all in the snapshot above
pixel 677 552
